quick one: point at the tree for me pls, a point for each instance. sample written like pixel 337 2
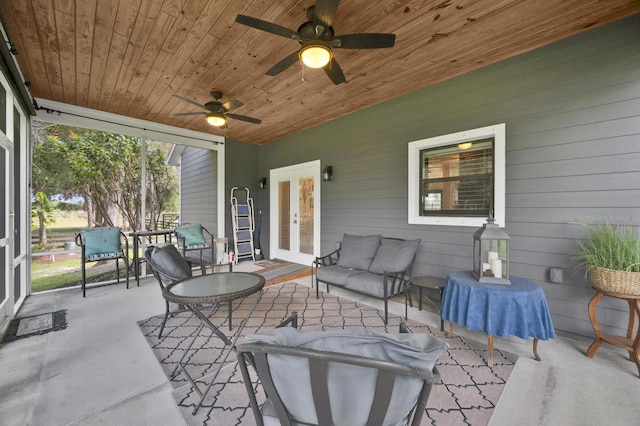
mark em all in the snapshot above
pixel 49 176
pixel 105 169
pixel 43 210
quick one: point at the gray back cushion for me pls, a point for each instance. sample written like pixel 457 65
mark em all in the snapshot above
pixel 357 252
pixel 168 263
pixel 394 255
pixel 351 388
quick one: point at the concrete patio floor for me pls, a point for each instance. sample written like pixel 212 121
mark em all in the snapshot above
pixel 101 371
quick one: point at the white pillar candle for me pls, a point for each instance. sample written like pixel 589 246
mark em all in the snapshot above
pixel 496 268
pixel 491 256
pixel 485 266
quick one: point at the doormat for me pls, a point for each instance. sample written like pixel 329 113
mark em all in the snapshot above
pixel 20 328
pixel 267 263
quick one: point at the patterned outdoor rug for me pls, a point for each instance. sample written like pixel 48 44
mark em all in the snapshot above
pixel 467 395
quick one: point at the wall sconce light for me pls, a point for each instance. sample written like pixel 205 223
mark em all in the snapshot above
pixel 327 173
pixel 262 182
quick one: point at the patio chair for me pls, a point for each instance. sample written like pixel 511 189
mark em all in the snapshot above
pixel 195 238
pixel 168 266
pixel 103 243
pixel 340 377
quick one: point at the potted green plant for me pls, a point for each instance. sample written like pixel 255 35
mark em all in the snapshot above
pixel 611 255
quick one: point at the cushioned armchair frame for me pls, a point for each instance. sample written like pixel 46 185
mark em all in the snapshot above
pixel 394 282
pixel 256 354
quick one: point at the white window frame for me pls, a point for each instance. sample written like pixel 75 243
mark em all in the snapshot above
pixel 497 132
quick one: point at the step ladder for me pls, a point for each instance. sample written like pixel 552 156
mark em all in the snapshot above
pixel 243 223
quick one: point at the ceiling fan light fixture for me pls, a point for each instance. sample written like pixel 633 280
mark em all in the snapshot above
pixel 216 119
pixel 315 54
pixel 465 145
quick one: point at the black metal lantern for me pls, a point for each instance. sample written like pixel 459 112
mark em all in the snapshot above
pixel 491 254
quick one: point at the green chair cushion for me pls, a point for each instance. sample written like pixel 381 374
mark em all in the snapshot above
pixel 101 241
pixel 192 235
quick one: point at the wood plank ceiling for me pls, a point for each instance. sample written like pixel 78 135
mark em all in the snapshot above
pixel 130 57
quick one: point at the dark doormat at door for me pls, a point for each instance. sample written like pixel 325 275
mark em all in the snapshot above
pixel 20 328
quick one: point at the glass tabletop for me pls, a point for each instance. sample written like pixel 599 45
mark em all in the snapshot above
pixel 212 288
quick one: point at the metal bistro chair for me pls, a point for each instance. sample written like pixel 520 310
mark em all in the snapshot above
pixel 168 266
pixel 339 384
pixel 192 238
pixel 103 243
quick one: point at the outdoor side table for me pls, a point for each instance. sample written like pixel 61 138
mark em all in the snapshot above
pixel 517 309
pixel 136 235
pixel 217 290
pixel 627 342
pixel 428 282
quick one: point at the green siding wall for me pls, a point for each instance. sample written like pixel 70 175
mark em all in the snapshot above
pixel 572 114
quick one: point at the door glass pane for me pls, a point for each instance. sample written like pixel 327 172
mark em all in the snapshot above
pixel 306 215
pixel 17 183
pixel 3 274
pixel 4 189
pixel 284 240
pixel 3 109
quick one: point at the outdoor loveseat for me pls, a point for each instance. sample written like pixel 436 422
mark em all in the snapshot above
pixel 373 265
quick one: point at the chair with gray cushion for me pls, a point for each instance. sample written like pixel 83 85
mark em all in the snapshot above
pixel 168 266
pixel 340 377
pixel 100 244
pixel 373 265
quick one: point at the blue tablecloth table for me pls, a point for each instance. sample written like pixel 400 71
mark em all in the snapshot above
pixel 519 309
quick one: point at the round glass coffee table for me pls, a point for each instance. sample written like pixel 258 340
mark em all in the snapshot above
pixel 213 290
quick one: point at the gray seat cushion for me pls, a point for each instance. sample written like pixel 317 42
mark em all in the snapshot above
pixel 357 252
pixel 335 274
pixel 394 255
pixel 350 387
pixel 369 283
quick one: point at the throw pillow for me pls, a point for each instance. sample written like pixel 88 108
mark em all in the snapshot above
pixel 394 255
pixel 101 240
pixel 357 252
pixel 192 235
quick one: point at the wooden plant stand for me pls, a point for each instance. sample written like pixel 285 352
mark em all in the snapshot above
pixel 629 343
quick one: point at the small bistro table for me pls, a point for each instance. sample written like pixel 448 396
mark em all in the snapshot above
pixel 136 235
pixel 430 283
pixel 214 289
pixel 628 342
pixel 517 309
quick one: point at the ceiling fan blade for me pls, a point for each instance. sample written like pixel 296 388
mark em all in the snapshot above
pixel 229 105
pixel 191 113
pixel 366 41
pixel 244 118
pixel 182 98
pixel 335 73
pixel 269 27
pixel 325 11
pixel 283 64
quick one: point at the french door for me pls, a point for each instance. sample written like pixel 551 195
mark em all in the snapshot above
pixel 14 210
pixel 295 212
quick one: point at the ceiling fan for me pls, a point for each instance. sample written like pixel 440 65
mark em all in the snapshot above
pixel 218 111
pixel 317 39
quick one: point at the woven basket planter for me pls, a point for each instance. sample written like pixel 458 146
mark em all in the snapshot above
pixel 614 281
